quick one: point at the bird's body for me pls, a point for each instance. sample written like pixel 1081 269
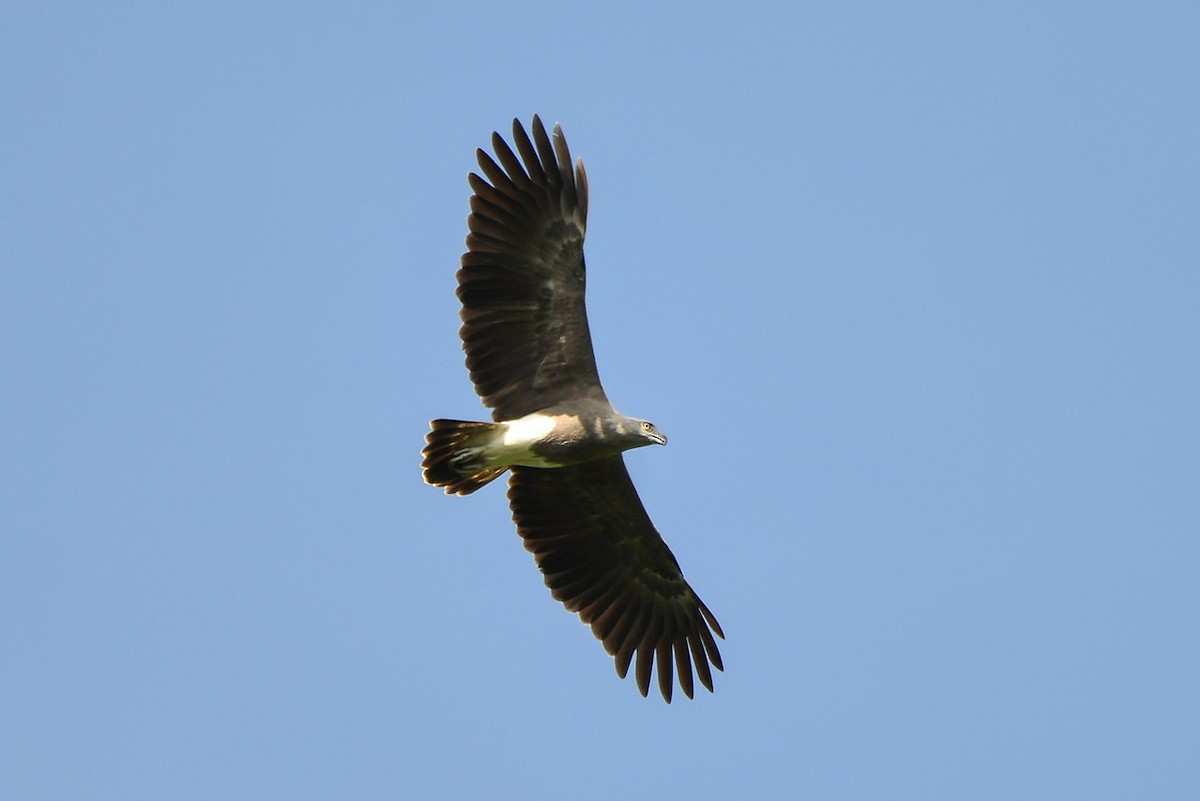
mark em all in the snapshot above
pixel 529 353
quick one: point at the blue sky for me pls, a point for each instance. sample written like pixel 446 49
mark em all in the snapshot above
pixel 913 290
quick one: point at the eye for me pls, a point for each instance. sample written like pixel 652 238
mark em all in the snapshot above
pixel 646 426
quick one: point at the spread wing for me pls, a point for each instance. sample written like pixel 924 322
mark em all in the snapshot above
pixel 521 284
pixel 602 558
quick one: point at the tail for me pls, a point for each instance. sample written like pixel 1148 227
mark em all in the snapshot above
pixel 454 456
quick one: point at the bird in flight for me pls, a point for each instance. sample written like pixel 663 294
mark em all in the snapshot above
pixel 529 353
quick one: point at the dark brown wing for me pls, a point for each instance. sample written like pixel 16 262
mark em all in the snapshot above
pixel 521 284
pixel 602 557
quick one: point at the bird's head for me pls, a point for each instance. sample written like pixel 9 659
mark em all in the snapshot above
pixel 626 433
pixel 650 433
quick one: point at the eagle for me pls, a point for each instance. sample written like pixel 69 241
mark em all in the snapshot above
pixel 529 354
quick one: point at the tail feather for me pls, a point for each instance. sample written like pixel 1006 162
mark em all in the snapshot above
pixel 454 456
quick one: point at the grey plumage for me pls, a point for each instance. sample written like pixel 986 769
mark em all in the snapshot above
pixel 529 354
